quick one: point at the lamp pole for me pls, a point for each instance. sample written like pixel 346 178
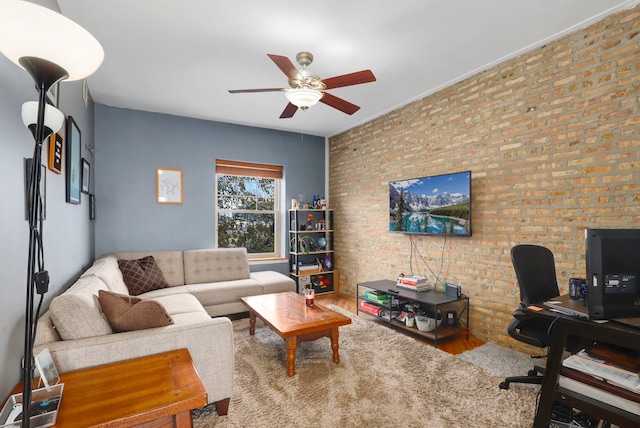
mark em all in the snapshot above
pixel 45 74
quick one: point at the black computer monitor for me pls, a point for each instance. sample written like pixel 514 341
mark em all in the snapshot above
pixel 613 273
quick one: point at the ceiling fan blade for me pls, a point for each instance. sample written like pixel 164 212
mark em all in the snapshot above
pixel 244 91
pixel 339 103
pixel 289 111
pixel 357 78
pixel 285 65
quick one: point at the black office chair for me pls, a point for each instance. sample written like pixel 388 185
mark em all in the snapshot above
pixel 536 273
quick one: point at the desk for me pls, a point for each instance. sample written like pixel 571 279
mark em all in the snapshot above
pixel 609 332
pixel 153 391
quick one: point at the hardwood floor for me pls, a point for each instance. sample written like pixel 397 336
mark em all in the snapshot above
pixel 453 345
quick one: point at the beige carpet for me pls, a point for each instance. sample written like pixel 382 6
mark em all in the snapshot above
pixel 384 379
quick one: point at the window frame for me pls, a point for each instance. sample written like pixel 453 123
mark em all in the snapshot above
pixel 248 169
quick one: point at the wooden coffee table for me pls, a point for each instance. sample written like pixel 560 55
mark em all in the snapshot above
pixel 156 391
pixel 288 316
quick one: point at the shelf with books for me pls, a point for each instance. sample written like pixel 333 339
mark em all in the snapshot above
pixel 310 272
pixel 312 252
pixel 311 249
pixel 312 231
pixel 602 369
pixel 590 386
pixel 561 385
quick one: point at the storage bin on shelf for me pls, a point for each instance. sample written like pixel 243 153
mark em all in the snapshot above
pixel 370 309
pixel 45 403
pixel 425 323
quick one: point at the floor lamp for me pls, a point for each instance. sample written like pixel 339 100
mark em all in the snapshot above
pixel 51 48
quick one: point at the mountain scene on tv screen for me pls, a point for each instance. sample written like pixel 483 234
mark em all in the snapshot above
pixel 439 204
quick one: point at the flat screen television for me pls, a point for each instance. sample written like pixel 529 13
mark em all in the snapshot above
pixel 432 205
pixel 613 273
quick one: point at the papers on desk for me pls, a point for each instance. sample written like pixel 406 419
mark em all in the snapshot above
pixel 597 393
pixel 584 363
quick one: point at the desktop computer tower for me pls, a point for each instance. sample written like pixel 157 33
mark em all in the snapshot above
pixel 613 273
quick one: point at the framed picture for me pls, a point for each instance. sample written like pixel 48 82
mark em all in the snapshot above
pixel 168 186
pixel 28 162
pixel 92 206
pixel 47 368
pixel 52 94
pixel 86 175
pixel 56 144
pixel 85 92
pixel 72 158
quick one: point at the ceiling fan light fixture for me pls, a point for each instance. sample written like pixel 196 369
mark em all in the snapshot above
pixel 303 97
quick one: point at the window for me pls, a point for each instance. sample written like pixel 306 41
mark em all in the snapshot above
pixel 247 201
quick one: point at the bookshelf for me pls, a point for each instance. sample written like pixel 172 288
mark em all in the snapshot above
pixel 311 249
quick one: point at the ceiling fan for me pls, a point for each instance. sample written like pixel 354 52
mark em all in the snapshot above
pixel 306 89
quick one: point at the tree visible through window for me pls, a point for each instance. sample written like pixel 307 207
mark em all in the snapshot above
pixel 247 207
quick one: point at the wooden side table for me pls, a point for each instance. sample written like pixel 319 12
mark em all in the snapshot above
pixel 153 391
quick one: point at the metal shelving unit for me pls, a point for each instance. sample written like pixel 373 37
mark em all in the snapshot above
pixel 311 249
pixel 433 302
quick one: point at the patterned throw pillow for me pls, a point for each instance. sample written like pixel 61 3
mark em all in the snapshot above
pixel 126 313
pixel 142 275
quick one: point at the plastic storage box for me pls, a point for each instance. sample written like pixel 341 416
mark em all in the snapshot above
pixel 426 324
pixel 45 403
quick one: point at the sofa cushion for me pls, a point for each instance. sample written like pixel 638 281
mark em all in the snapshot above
pixel 95 267
pixel 273 282
pixel 106 268
pixel 127 313
pixel 142 275
pixel 161 292
pixel 182 303
pixel 46 332
pixel 77 314
pixel 221 292
pixel 169 261
pixel 214 265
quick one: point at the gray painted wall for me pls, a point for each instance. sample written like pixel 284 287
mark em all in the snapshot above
pixel 67 233
pixel 131 144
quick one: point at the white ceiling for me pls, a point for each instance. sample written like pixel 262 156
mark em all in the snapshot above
pixel 182 56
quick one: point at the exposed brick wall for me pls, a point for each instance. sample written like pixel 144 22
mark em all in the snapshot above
pixel 552 140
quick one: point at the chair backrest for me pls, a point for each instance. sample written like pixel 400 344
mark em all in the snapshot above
pixel 536 273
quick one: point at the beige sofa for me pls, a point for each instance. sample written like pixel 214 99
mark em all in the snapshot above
pixel 203 283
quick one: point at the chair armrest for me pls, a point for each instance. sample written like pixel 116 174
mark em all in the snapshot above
pixel 529 329
pixel 522 315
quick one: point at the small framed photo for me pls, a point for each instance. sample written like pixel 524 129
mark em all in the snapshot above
pixel 52 94
pixel 85 92
pixel 86 175
pixel 47 368
pixel 72 162
pixel 56 145
pixel 92 206
pixel 168 186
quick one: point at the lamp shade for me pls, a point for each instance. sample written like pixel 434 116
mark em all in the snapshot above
pixel 30 30
pixel 53 118
pixel 303 97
